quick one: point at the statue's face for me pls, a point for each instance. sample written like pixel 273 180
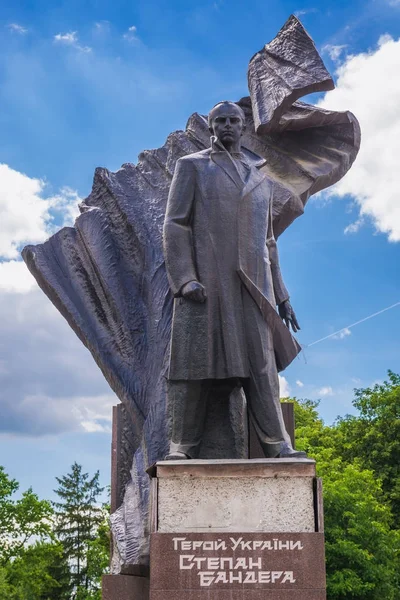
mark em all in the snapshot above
pixel 227 123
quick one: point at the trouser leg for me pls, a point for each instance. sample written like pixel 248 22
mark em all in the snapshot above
pixel 189 408
pixel 265 412
pixel 262 387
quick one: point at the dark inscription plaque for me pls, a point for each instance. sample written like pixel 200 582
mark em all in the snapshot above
pixel 281 566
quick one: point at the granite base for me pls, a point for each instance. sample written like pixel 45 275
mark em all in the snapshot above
pixel 124 587
pixel 237 530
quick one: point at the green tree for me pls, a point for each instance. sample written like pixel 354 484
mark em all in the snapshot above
pixel 40 572
pixel 98 559
pixel 373 436
pixel 20 520
pixel 78 518
pixel 362 547
pixel 5 588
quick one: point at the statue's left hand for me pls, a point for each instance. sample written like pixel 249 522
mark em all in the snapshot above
pixel 287 313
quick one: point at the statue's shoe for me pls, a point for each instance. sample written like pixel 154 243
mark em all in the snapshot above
pixel 288 452
pixel 177 456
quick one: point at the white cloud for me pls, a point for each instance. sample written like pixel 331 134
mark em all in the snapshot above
pixel 342 334
pixel 325 391
pixel 94 413
pixel 284 387
pixel 299 383
pixel 65 206
pixel 93 427
pixel 15 27
pixel 306 11
pixel 368 86
pixel 131 35
pixel 75 413
pixel 49 383
pixel 334 52
pixel 101 26
pixel 71 39
pixel 356 226
pixel 15 277
pixel 55 414
pixel 23 212
pixel 26 216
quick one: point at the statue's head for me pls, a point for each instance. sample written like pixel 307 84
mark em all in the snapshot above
pixel 226 121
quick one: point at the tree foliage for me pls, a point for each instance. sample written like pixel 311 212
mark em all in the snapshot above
pixel 373 436
pixel 78 519
pixel 48 554
pixel 40 573
pixel 358 459
pixel 20 520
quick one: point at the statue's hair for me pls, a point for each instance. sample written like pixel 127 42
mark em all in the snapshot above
pixel 225 102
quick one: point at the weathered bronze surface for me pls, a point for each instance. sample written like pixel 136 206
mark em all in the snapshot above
pixel 107 277
pixel 223 267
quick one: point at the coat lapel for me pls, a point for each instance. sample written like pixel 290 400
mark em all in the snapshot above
pixel 222 160
pixel 254 179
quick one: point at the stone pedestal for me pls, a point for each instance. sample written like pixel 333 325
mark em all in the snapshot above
pixel 237 529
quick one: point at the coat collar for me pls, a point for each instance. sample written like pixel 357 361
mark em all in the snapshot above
pixel 226 162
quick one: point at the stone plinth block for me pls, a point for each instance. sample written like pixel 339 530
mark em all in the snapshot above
pixel 124 587
pixel 231 495
pixel 237 529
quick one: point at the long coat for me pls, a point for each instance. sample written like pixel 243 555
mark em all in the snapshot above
pixel 218 231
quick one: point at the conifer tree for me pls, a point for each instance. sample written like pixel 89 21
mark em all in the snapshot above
pixel 78 516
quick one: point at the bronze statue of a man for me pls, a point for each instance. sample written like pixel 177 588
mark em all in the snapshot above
pixel 223 268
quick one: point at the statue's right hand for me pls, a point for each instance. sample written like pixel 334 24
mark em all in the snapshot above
pixel 193 290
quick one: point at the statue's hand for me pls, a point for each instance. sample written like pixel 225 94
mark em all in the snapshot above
pixel 194 291
pixel 287 313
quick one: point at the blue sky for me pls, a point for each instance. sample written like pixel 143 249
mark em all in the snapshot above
pixel 87 84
